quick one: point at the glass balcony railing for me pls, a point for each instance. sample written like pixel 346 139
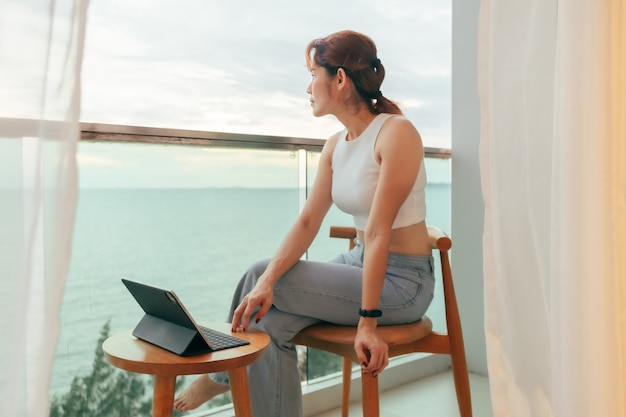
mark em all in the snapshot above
pixel 189 211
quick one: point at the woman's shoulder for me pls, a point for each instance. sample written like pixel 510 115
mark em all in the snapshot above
pixel 329 146
pixel 334 137
pixel 399 121
pixel 332 140
pixel 398 125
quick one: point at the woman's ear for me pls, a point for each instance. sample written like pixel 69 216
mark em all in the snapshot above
pixel 341 77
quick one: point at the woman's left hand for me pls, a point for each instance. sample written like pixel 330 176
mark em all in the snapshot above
pixel 371 350
pixel 258 301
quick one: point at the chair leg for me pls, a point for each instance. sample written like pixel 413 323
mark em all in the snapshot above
pixel 462 385
pixel 345 387
pixel 371 406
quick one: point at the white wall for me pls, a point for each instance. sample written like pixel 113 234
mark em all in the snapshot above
pixel 467 201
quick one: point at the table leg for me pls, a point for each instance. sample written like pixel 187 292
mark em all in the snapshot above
pixel 163 399
pixel 240 392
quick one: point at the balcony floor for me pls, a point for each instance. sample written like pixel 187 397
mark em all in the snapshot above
pixel 433 397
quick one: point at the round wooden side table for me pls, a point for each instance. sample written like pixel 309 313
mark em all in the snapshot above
pixel 125 351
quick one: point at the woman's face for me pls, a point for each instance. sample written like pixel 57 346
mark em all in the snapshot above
pixel 319 91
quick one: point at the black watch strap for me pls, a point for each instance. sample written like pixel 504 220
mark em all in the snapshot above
pixel 370 313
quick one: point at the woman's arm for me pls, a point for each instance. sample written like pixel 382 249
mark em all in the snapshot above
pixel 306 227
pixel 296 242
pixel 399 150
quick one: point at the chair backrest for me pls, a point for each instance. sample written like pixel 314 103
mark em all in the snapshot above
pixel 441 242
pixel 344 232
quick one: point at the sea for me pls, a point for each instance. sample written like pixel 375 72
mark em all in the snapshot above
pixel 197 242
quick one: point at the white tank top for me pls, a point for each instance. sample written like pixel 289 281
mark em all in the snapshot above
pixel 355 176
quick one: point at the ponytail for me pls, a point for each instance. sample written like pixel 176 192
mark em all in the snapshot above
pixel 356 54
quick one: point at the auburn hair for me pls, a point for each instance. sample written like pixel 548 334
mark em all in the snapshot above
pixel 356 54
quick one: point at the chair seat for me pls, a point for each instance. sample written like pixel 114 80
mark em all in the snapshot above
pixel 392 335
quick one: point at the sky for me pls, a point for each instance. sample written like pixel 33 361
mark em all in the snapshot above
pixel 238 66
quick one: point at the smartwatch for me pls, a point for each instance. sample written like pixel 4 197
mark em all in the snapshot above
pixel 370 313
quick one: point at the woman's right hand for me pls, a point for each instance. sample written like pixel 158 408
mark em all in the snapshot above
pixel 258 300
pixel 371 350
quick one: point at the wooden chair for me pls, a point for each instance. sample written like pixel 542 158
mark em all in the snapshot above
pixel 402 339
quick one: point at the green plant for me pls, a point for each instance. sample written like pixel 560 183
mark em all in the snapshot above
pixel 106 391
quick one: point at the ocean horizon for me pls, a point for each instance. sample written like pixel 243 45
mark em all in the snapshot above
pixel 196 241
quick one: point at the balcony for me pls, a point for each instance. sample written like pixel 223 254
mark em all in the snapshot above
pixel 216 202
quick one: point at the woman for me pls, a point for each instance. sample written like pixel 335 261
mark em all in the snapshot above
pixel 373 170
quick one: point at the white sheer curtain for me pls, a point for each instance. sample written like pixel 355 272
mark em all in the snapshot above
pixel 41 45
pixel 552 85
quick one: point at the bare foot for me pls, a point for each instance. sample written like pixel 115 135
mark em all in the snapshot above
pixel 200 391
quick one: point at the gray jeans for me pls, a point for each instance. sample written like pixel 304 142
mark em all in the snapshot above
pixel 312 292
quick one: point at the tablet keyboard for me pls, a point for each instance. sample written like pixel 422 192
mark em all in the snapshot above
pixel 220 341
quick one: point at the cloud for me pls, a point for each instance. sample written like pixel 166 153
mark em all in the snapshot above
pixel 238 66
